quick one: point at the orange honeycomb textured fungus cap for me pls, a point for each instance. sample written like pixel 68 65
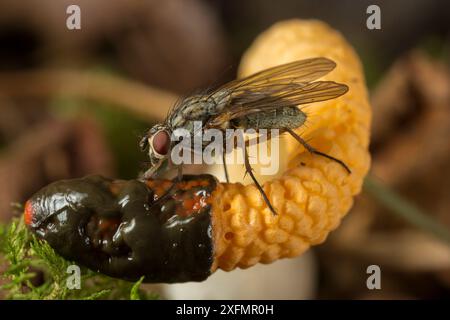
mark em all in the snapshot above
pixel 313 193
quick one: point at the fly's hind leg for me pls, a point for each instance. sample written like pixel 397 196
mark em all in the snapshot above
pixel 249 170
pixel 314 151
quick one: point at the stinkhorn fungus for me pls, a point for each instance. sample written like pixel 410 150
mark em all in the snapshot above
pixel 184 231
pixel 314 193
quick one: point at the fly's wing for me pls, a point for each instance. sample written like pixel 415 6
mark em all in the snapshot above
pixel 287 96
pixel 260 84
pixel 287 85
pixel 282 86
pixel 300 72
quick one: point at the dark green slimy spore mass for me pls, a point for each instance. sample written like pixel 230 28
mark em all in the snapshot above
pixel 117 228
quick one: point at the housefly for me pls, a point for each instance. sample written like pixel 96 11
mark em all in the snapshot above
pixel 268 99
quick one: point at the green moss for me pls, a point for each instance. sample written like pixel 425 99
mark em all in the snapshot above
pixel 27 259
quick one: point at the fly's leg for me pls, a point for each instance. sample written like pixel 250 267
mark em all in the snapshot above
pixel 179 173
pixel 224 156
pixel 314 151
pixel 179 178
pixel 249 170
pixel 165 195
pixel 151 172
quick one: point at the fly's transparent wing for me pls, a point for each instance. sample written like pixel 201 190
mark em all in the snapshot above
pixel 280 96
pixel 282 86
pixel 260 84
pixel 300 72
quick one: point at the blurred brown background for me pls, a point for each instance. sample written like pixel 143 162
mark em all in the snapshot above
pixel 75 102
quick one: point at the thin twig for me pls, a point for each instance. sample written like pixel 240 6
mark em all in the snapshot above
pixel 406 209
pixel 147 102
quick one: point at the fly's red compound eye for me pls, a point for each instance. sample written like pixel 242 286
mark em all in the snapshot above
pixel 161 142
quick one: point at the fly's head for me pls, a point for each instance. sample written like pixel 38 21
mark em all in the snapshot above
pixel 157 141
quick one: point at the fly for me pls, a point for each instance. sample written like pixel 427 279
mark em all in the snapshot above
pixel 268 99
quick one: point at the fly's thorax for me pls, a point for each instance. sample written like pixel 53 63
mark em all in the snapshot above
pixel 198 108
pixel 288 117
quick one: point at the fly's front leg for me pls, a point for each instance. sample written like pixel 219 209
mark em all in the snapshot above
pixel 179 178
pixel 152 172
pixel 249 170
pixel 314 151
pixel 178 167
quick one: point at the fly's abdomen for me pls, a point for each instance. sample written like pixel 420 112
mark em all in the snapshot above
pixel 289 117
